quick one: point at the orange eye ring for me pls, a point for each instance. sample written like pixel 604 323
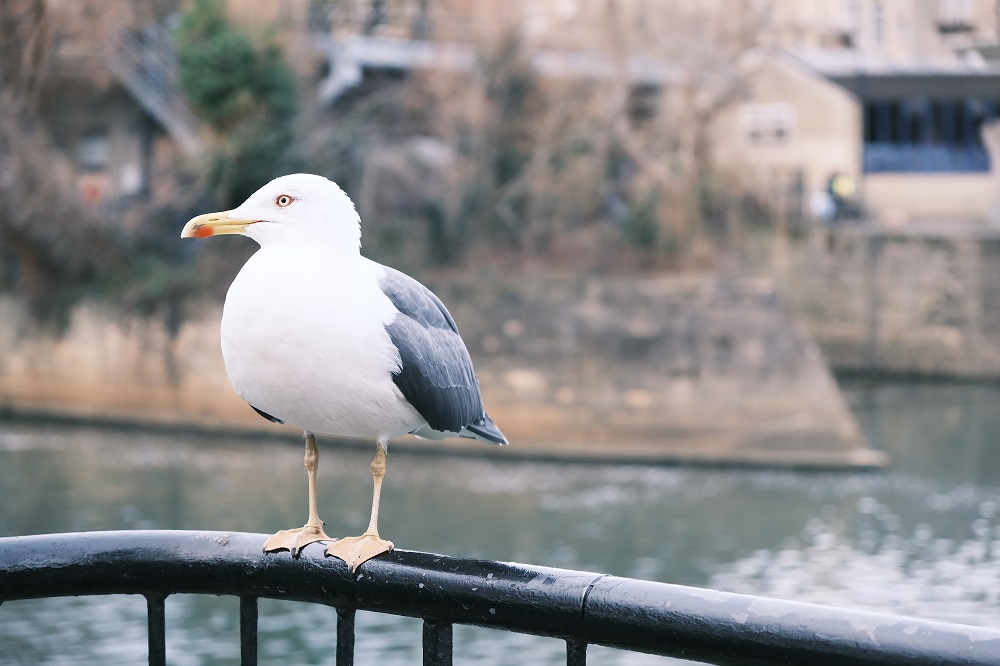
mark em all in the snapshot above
pixel 283 200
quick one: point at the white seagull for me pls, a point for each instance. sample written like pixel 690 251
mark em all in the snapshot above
pixel 315 335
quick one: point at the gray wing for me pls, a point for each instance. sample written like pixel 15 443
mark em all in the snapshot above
pixel 436 376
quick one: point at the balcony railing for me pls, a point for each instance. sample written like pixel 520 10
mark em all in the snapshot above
pixel 576 607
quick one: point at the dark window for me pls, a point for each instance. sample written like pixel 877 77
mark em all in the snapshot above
pixel 937 122
pixel 92 152
pixel 921 135
pixel 869 121
pixel 892 128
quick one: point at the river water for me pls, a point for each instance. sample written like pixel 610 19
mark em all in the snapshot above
pixel 921 539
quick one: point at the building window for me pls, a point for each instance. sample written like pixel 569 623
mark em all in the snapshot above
pixel 92 152
pixel 765 125
pixel 878 23
pixel 927 135
pixel 643 103
pixel 129 179
pixel 845 25
pixel 956 15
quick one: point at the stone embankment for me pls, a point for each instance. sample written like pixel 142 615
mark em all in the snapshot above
pixel 698 370
pixel 921 301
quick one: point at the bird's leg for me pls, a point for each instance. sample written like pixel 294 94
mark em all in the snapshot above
pixel 312 466
pixel 378 473
pixel 358 550
pixel 296 539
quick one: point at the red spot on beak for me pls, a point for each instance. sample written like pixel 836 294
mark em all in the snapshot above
pixel 203 232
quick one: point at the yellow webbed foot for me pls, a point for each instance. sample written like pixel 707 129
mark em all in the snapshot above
pixel 295 540
pixel 358 550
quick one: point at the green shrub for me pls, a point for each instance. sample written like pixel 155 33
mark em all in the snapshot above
pixel 245 92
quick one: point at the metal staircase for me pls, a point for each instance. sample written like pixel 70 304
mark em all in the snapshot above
pixel 146 64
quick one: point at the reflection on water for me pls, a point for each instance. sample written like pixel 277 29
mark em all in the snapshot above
pixel 921 539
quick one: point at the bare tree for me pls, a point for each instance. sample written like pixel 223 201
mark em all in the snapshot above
pixel 54 243
pixel 575 164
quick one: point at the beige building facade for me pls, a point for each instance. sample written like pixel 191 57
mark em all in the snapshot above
pixel 896 96
pixel 921 79
pixel 790 126
pixel 892 99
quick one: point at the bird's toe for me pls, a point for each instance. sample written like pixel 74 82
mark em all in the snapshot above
pixel 355 551
pixel 295 540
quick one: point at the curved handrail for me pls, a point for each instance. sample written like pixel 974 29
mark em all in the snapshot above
pixel 659 618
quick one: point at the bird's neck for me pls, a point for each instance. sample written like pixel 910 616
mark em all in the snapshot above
pixel 344 240
pixel 341 249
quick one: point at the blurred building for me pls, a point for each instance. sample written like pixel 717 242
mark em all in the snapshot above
pixel 896 95
pixel 843 107
pixel 110 100
pixel 833 107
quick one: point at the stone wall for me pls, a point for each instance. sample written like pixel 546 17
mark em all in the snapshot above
pixel 698 369
pixel 920 301
pixel 701 368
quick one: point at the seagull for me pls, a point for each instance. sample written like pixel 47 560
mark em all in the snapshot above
pixel 318 336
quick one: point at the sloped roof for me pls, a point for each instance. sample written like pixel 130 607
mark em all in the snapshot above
pixel 873 76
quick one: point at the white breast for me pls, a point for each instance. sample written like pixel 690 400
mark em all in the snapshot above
pixel 304 339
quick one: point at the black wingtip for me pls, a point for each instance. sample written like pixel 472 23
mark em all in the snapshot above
pixel 487 430
pixel 272 419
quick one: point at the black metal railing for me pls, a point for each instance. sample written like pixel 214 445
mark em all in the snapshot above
pixel 577 607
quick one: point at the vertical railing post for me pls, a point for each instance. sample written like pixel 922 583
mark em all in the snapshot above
pixel 156 629
pixel 345 636
pixel 576 653
pixel 437 643
pixel 248 631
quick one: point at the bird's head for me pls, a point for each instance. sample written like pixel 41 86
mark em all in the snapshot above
pixel 298 208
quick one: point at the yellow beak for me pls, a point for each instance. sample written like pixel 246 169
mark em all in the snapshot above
pixel 214 224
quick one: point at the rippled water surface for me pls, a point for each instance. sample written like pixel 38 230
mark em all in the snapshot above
pixel 921 539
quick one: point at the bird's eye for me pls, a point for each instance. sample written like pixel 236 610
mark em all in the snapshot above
pixel 283 200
